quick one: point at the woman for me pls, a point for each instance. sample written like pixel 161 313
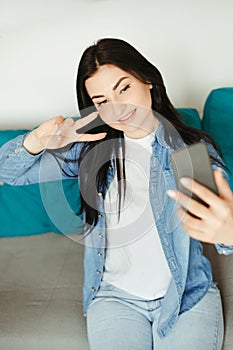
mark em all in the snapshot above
pixel 147 284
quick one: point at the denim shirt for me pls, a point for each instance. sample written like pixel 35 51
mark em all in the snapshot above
pixel 190 270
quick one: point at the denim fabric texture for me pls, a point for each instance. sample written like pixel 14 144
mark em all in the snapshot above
pixel 119 320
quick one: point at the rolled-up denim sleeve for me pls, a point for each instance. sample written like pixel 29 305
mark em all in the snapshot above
pixel 19 167
pixel 222 248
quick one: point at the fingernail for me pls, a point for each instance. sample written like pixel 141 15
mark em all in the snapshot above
pixel 171 193
pixel 185 181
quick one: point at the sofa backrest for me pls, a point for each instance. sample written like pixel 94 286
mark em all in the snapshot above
pixel 218 122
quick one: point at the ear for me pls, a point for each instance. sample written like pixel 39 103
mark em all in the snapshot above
pixel 150 85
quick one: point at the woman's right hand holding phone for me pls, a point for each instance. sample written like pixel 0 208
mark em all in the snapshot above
pixel 59 132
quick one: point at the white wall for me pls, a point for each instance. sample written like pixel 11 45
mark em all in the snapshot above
pixel 191 42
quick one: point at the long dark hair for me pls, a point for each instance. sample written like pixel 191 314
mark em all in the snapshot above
pixel 94 173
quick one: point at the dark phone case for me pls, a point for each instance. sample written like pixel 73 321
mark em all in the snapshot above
pixel 193 161
pixel 96 126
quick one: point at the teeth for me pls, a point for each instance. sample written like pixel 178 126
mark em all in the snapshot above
pixel 128 116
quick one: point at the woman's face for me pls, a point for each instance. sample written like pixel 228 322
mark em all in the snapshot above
pixel 123 101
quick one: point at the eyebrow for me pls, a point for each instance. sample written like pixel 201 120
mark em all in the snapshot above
pixel 114 87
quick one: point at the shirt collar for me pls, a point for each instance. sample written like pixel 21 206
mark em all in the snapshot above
pixel 166 131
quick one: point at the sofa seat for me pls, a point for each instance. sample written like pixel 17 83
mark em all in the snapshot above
pixel 41 293
pixel 41 280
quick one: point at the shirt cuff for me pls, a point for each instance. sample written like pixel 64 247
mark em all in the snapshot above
pixel 17 150
pixel 224 249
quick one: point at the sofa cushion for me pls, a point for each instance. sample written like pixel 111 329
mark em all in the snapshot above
pixel 27 210
pixel 61 201
pixel 190 117
pixel 24 211
pixel 6 135
pixel 218 122
pixel 21 211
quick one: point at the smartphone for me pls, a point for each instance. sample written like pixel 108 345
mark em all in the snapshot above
pixel 96 126
pixel 194 161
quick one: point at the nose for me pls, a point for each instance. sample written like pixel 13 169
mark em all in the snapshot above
pixel 118 109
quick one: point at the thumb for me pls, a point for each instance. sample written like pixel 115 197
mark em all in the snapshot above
pixel 222 185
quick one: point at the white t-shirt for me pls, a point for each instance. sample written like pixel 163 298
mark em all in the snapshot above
pixel 135 260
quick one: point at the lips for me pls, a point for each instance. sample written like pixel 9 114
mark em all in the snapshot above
pixel 128 117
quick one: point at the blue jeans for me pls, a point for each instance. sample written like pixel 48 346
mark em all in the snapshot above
pixel 119 320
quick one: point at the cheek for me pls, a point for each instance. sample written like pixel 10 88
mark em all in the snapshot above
pixel 143 97
pixel 106 117
pixel 148 100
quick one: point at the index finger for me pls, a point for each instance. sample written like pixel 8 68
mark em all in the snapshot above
pixel 84 121
pixel 200 190
pixel 90 137
pixel 222 184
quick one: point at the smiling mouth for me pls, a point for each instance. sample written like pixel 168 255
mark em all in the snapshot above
pixel 128 116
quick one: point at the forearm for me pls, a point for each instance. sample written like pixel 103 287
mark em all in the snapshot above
pixel 17 165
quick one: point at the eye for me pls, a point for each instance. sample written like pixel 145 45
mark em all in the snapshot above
pixel 99 104
pixel 125 88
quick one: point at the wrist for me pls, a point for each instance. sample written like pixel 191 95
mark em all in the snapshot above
pixel 31 144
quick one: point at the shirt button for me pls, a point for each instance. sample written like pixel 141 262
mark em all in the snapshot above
pixel 99 194
pixel 98 272
pixel 99 254
pixel 93 289
pixel 110 167
pixel 100 215
pixel 101 235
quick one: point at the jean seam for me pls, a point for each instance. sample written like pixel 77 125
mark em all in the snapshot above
pixel 217 323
